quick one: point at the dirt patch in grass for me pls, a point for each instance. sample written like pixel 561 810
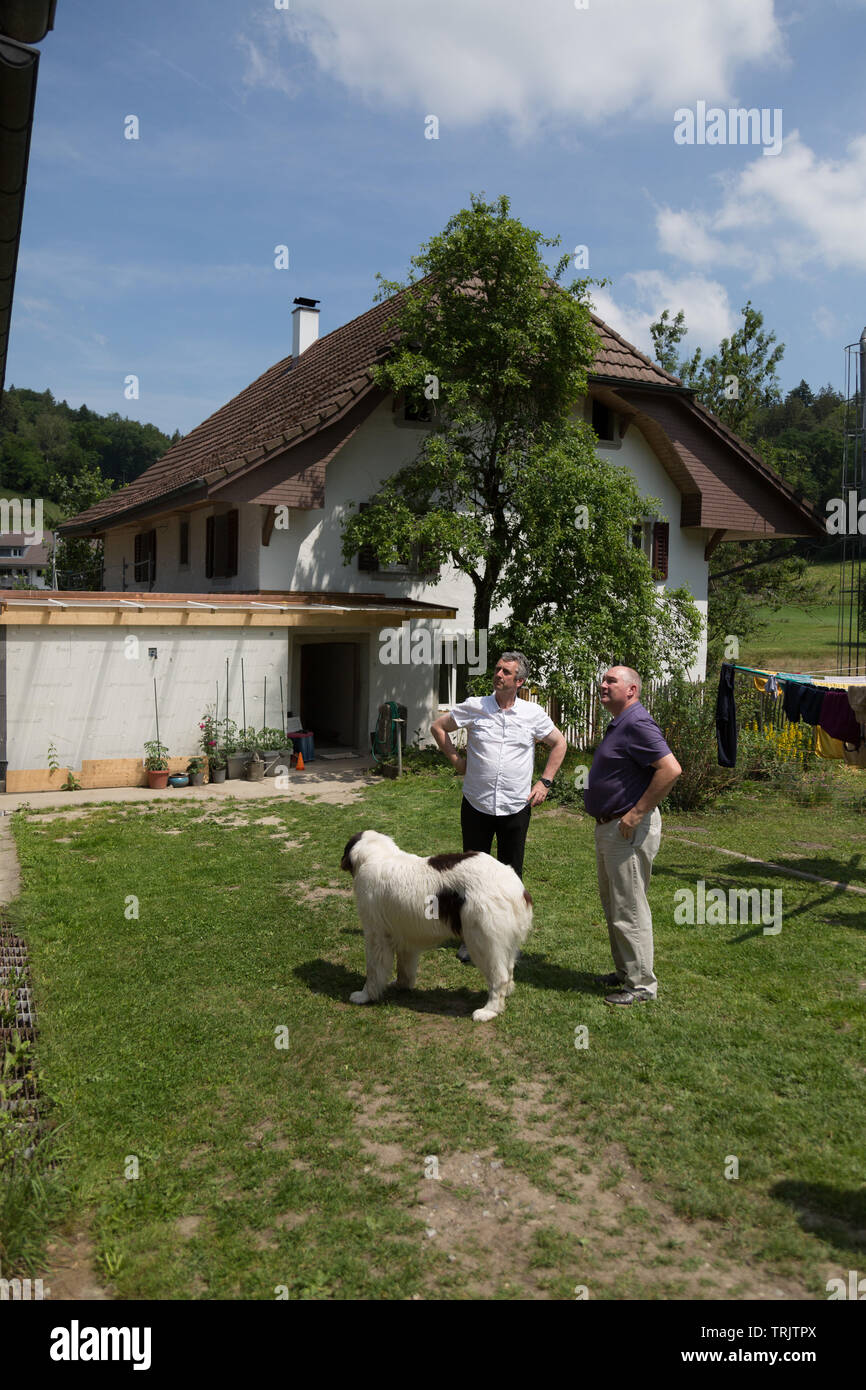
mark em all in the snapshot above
pixel 71 1274
pixel 593 1224
pixel 317 895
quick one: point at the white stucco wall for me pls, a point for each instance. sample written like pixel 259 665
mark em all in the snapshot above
pixel 171 577
pixel 76 687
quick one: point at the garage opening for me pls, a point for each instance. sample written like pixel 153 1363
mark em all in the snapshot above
pixel 330 693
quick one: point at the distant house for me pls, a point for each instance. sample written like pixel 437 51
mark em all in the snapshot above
pixel 228 548
pixel 22 559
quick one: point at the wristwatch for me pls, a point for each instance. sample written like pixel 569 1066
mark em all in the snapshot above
pixel 546 781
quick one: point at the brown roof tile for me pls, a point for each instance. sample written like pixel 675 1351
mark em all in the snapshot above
pixel 291 401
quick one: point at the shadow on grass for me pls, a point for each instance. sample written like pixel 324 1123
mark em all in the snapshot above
pixel 325 977
pixel 835 1215
pixel 749 876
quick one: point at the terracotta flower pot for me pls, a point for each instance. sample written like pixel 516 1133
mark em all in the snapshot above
pixel 158 780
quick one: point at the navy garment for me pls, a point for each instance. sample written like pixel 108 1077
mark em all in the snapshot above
pixel 726 718
pixel 621 769
pixel 803 701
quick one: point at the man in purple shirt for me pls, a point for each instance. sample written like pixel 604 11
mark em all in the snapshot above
pixel 632 771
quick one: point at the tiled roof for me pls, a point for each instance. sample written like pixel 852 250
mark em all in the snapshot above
pixel 292 401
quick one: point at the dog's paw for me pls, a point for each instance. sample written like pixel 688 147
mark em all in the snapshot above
pixel 484 1015
pixel 359 997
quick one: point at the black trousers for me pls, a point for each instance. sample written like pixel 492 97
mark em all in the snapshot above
pixel 510 831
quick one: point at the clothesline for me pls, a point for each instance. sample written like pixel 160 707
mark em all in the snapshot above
pixel 798 676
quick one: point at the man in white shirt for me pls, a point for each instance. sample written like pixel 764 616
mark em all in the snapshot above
pixel 501 734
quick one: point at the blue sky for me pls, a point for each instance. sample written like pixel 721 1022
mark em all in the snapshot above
pixel 305 126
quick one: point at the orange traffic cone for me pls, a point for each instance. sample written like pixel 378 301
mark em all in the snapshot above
pixel 299 765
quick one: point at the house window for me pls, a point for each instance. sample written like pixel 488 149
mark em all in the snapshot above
pixel 184 544
pixel 145 557
pixel 452 683
pixel 221 546
pixel 415 563
pixel 416 408
pixel 12 552
pixel 604 422
pixel 661 535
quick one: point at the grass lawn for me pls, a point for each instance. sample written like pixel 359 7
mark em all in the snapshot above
pixel 798 638
pixel 287 1143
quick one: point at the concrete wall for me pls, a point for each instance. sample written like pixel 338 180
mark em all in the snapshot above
pixel 77 688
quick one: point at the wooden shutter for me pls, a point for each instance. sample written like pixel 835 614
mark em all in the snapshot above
pixel 661 533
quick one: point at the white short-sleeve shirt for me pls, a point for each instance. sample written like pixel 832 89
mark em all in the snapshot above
pixel 500 751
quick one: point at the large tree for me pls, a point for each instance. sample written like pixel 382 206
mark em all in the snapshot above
pixel 506 485
pixel 739 384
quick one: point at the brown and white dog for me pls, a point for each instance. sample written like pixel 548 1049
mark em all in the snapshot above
pixel 408 905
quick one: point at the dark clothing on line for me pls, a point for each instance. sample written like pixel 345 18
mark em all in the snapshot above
pixel 726 718
pixel 510 831
pixel 838 719
pixel 804 702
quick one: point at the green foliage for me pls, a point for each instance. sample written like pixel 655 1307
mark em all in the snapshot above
pixel 740 378
pixel 509 348
pixel 685 713
pixel 155 756
pixel 503 473
pixel 53 764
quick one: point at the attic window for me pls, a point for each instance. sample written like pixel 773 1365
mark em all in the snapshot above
pixel 604 422
pixel 183 558
pixel 416 408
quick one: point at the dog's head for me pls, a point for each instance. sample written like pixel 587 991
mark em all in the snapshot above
pixel 361 846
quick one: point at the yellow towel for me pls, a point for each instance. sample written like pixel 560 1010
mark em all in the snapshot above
pixel 827 747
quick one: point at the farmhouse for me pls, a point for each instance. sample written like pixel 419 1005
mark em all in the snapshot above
pixel 223 560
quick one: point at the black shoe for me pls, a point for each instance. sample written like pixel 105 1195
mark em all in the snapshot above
pixel 463 955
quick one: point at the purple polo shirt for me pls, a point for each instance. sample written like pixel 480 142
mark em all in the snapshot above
pixel 621 771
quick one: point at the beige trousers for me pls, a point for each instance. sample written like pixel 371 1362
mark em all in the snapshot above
pixel 624 869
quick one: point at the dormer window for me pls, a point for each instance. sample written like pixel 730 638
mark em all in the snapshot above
pixel 604 422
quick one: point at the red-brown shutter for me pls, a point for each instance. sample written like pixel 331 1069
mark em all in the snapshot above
pixel 661 534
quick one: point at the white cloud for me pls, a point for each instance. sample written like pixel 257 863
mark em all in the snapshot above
pixel 784 215
pixel 705 303
pixel 528 63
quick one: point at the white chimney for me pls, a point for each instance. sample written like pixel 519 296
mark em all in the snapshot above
pixel 305 325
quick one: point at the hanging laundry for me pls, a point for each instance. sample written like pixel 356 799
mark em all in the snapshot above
pixel 827 747
pixel 838 718
pixel 726 718
pixel 857 701
pixel 803 701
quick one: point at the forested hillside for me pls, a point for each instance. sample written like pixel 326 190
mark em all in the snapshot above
pixel 44 442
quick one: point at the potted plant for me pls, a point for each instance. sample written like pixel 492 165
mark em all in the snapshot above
pixel 236 757
pixel 217 766
pixel 255 766
pixel 272 745
pixel 156 764
pixel 196 769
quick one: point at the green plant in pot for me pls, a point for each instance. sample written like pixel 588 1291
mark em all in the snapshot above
pixel 218 766
pixel 156 763
pixel 196 769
